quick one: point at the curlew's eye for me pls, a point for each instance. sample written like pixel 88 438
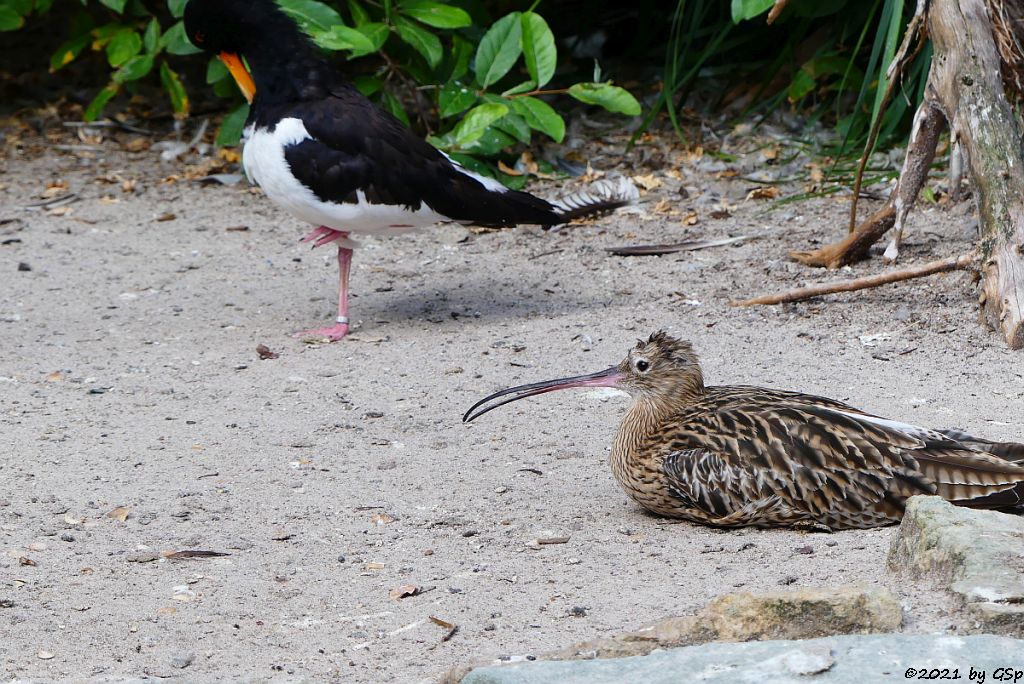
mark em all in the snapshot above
pixel 642 365
pixel 199 37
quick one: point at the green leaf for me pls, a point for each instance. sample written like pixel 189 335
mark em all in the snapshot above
pixel 521 88
pixel 612 98
pixel 176 90
pixel 95 108
pixel 311 15
pixel 461 53
pixel 134 69
pixel 421 40
pixel 476 121
pixel 216 71
pixel 177 7
pixel 116 5
pixel 231 127
pixel 539 48
pixel 748 9
pixel 10 20
pixel 359 15
pixel 151 38
pixel 67 52
pixel 392 104
pixel 540 116
pixel 490 143
pixel 499 49
pixel 436 14
pixel 43 6
pixel 368 85
pixel 455 98
pixel 176 42
pixel 343 37
pixel 802 84
pixel 123 46
pixel 20 7
pixel 514 125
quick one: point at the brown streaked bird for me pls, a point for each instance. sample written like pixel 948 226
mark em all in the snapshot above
pixel 736 456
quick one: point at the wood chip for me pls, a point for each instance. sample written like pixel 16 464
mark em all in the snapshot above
pixel 403 591
pixel 120 513
pixel 264 352
pixel 444 624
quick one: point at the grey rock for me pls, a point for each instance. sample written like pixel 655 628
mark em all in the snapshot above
pixel 977 555
pixel 182 660
pixel 830 660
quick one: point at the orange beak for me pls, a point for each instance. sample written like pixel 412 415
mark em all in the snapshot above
pixel 241 75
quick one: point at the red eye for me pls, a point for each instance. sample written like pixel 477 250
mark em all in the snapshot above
pixel 200 37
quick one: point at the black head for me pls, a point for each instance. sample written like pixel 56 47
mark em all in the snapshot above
pixel 263 48
pixel 239 27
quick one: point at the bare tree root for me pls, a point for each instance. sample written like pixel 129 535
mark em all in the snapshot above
pixel 959 263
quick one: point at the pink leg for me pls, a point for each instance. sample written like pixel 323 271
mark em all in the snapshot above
pixel 337 331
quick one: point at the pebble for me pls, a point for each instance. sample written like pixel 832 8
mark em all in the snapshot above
pixel 67 536
pixel 470 533
pixel 341 558
pixel 142 556
pixel 578 611
pixel 182 660
pixel 44 655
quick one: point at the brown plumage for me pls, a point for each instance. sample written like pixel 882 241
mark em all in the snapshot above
pixel 737 456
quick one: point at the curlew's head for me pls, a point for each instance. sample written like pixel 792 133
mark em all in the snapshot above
pixel 662 370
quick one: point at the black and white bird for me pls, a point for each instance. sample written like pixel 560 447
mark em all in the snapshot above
pixel 327 155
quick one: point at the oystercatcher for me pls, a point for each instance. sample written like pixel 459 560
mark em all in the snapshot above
pixel 749 456
pixel 329 156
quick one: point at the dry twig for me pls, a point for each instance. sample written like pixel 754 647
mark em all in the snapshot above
pixel 958 263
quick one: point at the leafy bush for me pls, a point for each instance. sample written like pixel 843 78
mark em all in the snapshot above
pixel 477 101
pixel 826 57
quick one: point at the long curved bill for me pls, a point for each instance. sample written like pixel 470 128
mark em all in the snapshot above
pixel 606 378
pixel 241 75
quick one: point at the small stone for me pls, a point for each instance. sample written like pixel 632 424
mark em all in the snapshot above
pixel 23 267
pixel 142 556
pixel 67 536
pixel 44 655
pixel 240 544
pixel 470 533
pixel 578 611
pixel 804 550
pixel 37 546
pixel 341 558
pixel 182 660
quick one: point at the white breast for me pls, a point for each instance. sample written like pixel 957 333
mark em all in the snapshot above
pixel 264 163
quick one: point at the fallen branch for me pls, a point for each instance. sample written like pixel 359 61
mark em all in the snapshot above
pixel 962 262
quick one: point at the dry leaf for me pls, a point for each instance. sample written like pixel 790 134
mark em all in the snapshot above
pixel 817 175
pixel 24 560
pixel 166 217
pixel 764 192
pixel 167 610
pixel 403 591
pixel 263 351
pixel 139 144
pixel 229 155
pixel 382 519
pixel 120 513
pixel 59 211
pixel 727 173
pixel 372 565
pixel 107 199
pixel 691 219
pixel 648 182
pixel 54 189
pixel 770 153
pixel 55 376
pixel 129 186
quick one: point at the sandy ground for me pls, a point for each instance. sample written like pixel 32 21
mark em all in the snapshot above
pixel 334 474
